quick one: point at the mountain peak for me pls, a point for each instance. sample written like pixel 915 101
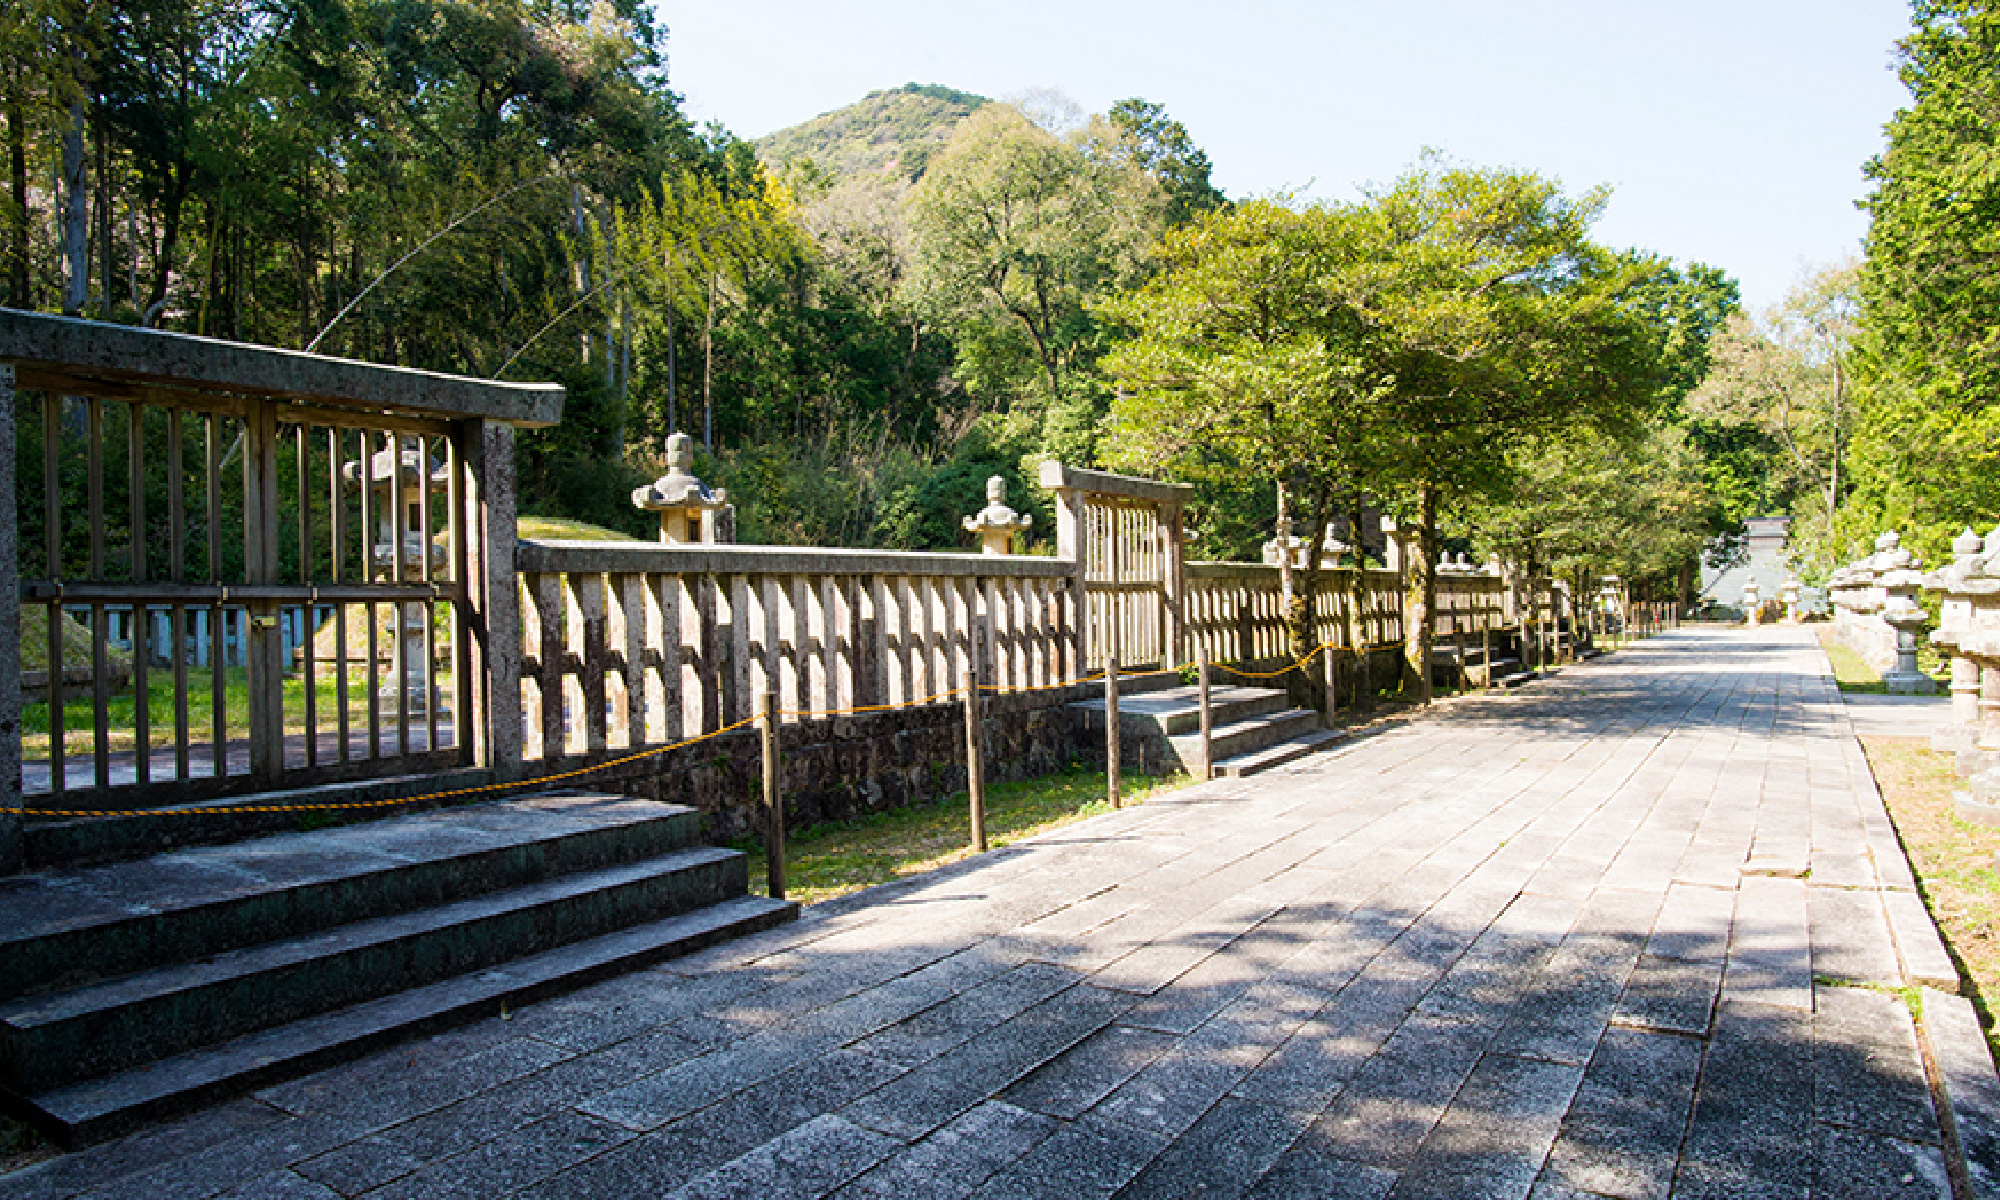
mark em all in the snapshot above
pixel 890 133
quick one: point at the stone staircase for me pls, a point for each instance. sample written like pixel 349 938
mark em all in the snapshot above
pixel 1252 728
pixel 135 990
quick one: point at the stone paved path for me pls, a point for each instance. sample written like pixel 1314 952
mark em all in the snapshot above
pixel 1629 932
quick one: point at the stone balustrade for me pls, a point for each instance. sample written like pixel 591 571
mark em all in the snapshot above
pixel 643 643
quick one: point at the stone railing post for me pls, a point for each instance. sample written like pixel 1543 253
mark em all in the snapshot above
pixel 493 592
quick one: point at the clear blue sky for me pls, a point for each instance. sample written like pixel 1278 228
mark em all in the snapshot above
pixel 1731 133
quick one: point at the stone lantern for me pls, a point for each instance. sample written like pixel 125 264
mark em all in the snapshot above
pixel 689 511
pixel 1790 595
pixel 997 525
pixel 1900 582
pixel 1964 584
pixel 1750 602
pixel 397 477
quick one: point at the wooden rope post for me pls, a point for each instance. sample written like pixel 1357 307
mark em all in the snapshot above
pixel 1111 729
pixel 1329 662
pixel 774 804
pixel 1207 713
pixel 975 740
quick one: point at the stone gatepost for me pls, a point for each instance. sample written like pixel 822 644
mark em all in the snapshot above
pixel 689 512
pixel 997 525
pixel 396 478
pixel 1964 583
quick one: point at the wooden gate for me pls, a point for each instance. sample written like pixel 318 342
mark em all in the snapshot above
pixel 1124 535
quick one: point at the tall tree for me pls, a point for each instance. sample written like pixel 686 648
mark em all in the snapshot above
pixel 1927 445
pixel 1162 147
pixel 1243 357
pixel 1016 232
pixel 1784 374
pixel 1492 316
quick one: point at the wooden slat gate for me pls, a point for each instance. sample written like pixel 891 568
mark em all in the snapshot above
pixel 1123 536
pixel 203 498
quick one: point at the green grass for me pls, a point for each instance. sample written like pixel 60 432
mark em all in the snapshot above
pixel 825 861
pixel 1854 675
pixel 1954 860
pixel 121 713
pixel 562 529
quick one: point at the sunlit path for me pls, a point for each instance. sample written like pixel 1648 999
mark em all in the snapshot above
pixel 1632 931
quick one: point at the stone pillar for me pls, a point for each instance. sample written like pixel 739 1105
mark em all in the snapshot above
pixel 493 624
pixel 1070 547
pixel 10 637
pixel 1982 762
pixel 997 525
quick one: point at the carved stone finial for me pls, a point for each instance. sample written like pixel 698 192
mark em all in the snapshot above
pixel 997 524
pixel 688 509
pixel 1968 543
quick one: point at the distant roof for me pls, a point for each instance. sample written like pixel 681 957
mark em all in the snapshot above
pixel 67 355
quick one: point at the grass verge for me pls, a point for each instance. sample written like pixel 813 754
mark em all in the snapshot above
pixel 1854 675
pixel 831 860
pixel 1953 859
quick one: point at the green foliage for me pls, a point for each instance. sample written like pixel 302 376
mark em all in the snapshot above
pixel 1016 233
pixel 926 513
pixel 1161 146
pixel 1777 398
pixel 1926 452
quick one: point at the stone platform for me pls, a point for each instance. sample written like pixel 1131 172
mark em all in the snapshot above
pixel 1641 929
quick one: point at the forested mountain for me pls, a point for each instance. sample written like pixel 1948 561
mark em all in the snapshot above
pixel 889 134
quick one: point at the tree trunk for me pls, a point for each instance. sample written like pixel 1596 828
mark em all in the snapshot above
pixel 1420 600
pixel 171 203
pixel 1302 618
pixel 708 369
pixel 1287 582
pixel 104 224
pixel 1357 599
pixel 17 177
pixel 76 214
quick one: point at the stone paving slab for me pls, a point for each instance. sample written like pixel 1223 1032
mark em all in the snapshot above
pixel 1640 929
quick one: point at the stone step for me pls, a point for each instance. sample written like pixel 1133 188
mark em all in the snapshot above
pixel 99 1108
pixel 1247 736
pixel 1277 754
pixel 1177 709
pixel 72 925
pixel 58 1037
